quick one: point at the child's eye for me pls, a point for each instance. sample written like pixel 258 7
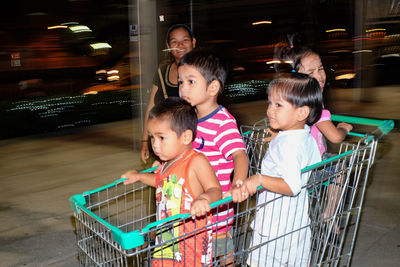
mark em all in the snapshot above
pixel 180 82
pixel 191 81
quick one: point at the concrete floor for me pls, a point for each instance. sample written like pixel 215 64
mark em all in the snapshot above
pixel 39 174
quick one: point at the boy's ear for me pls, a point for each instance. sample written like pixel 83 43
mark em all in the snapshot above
pixel 194 42
pixel 303 113
pixel 213 88
pixel 187 136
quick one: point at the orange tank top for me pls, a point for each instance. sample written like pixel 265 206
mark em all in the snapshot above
pixel 190 240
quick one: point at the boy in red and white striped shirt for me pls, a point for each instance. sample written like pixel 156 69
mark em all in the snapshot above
pixel 202 75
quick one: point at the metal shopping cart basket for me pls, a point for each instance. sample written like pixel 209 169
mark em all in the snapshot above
pixel 330 213
pixel 116 224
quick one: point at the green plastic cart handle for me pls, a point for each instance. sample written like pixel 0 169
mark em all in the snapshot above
pixel 384 125
pixel 183 215
pixel 79 199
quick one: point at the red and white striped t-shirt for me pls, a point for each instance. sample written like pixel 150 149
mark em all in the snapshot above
pixel 217 138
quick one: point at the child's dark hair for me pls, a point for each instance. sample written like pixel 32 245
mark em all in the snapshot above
pixel 178 26
pixel 208 63
pixel 179 112
pixel 290 58
pixel 300 90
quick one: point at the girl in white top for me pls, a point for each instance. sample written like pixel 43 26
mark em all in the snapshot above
pixel 294 104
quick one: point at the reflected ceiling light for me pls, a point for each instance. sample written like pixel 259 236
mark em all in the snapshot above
pixel 262 22
pixel 336 30
pixel 113 78
pixel 57 27
pixel 100 46
pixel 361 38
pixel 390 55
pixel 90 93
pixel 339 51
pixel 79 28
pixel 101 72
pixel 346 76
pixel 375 30
pixel 272 62
pixel 279 61
pixel 362 51
pixel 112 72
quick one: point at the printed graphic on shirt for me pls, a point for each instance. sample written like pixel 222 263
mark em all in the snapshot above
pixel 169 197
pixel 195 248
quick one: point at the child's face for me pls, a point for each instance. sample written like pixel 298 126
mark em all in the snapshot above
pixel 282 115
pixel 192 85
pixel 165 142
pixel 312 65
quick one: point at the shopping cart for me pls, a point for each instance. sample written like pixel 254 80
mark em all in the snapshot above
pixel 335 193
pixel 116 225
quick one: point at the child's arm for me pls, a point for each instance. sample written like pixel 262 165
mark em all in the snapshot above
pixel 146 178
pixel 240 171
pixel 335 134
pixel 270 134
pixel 273 184
pixel 208 189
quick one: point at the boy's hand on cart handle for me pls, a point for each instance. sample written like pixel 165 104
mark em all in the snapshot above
pixel 156 163
pixel 131 177
pixel 345 126
pixel 239 192
pixel 200 207
pixel 252 183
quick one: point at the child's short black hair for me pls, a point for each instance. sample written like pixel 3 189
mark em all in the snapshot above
pixel 179 112
pixel 208 63
pixel 300 90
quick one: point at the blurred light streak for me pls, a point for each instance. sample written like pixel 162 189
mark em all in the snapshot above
pixel 262 22
pixel 57 27
pixel 375 30
pixel 96 46
pixel 101 72
pixel 339 51
pixel 346 76
pixel 90 93
pixel 390 55
pixel 336 30
pixel 362 51
pixel 279 61
pixel 112 72
pixel 361 38
pixel 79 28
pixel 113 78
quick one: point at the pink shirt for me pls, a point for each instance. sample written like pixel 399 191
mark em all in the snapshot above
pixel 217 138
pixel 316 133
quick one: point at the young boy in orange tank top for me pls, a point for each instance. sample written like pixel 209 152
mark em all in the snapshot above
pixel 185 183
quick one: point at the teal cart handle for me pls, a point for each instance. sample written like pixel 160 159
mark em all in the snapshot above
pixel 116 182
pixel 79 199
pixel 384 125
pixel 183 215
